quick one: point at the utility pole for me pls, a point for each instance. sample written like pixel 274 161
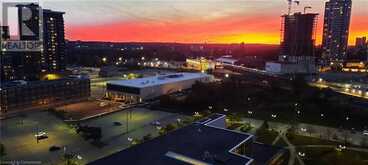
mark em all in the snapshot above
pixel 127 122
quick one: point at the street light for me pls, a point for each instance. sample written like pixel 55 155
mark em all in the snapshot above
pixel 301 154
pixel 250 114
pixel 227 75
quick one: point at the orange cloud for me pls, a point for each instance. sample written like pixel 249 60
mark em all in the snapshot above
pixel 234 29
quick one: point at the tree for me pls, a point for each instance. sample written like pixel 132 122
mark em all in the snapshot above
pixel 328 133
pixel 234 118
pixel 364 142
pixel 167 129
pixel 170 127
pixel 310 130
pixel 69 159
pixel 147 137
pixel 2 150
pixel 264 128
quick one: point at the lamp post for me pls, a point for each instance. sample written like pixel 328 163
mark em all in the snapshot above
pixel 250 115
pixel 127 122
pixel 226 110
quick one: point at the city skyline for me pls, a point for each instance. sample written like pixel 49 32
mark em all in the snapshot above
pixel 211 21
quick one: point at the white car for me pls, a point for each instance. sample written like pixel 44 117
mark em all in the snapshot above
pixel 365 132
pixel 156 123
pixel 40 134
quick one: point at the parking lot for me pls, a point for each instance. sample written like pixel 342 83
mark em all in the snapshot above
pixel 88 108
pixel 18 134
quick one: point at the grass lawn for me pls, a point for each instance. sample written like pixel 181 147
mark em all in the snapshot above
pixel 281 143
pixel 305 140
pixel 321 156
pixel 266 136
pixel 233 126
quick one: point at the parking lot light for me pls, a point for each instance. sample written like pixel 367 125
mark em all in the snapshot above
pixel 301 154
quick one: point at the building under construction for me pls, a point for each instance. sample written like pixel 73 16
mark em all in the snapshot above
pixel 298 34
pixel 297 45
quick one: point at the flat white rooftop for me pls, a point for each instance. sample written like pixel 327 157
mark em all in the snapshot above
pixel 158 80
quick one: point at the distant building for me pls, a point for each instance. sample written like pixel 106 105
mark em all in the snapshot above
pixel 361 42
pixel 361 49
pixel 289 68
pixel 227 60
pixel 140 89
pixel 200 64
pixel 4 32
pixel 355 66
pixel 336 29
pixel 298 34
pixel 109 71
pixel 28 65
pixel 297 54
pixel 23 95
pixel 53 56
pixel 206 142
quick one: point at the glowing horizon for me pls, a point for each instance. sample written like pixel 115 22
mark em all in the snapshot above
pixel 190 21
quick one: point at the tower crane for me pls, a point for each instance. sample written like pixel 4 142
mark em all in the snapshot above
pixel 307 7
pixel 290 4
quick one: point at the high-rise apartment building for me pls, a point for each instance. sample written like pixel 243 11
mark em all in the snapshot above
pixel 336 29
pixel 53 57
pixel 32 65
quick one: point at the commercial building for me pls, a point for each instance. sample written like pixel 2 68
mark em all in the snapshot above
pixel 226 60
pixel 32 65
pixel 355 66
pixel 140 89
pixel 206 142
pixel 200 64
pixel 336 29
pixel 23 95
pixel 289 68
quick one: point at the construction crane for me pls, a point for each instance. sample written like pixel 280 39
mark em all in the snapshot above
pixel 307 7
pixel 290 3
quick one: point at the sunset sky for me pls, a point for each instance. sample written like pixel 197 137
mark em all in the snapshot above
pixel 199 21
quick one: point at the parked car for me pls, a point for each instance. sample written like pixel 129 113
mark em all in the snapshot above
pixel 40 134
pixel 116 123
pixel 156 123
pixel 365 132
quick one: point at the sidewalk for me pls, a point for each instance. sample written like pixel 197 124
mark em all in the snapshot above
pixel 315 131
